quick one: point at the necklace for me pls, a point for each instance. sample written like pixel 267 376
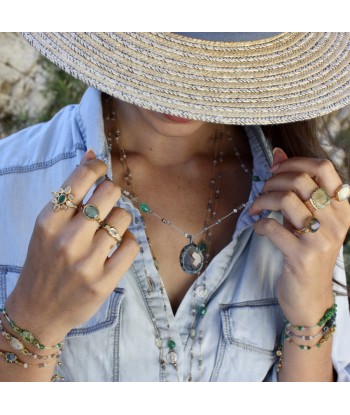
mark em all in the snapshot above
pixel 193 257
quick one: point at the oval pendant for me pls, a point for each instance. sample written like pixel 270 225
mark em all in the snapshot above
pixel 191 258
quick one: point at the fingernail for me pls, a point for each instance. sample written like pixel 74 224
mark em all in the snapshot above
pixel 89 155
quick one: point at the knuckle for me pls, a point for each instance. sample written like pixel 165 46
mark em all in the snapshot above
pixel 64 250
pixel 269 225
pixel 111 189
pixel 124 216
pixel 301 180
pixel 92 170
pixel 131 244
pixel 288 199
pixel 325 166
pixel 42 225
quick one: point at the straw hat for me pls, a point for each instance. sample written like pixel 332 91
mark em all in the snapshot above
pixel 231 78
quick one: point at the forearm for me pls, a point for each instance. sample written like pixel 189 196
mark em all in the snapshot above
pixel 314 365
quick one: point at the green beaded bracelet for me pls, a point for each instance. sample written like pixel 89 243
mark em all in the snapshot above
pixel 326 317
pixel 28 336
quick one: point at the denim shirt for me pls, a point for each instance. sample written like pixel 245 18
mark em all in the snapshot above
pixel 127 339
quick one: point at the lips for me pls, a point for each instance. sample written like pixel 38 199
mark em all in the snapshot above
pixel 176 119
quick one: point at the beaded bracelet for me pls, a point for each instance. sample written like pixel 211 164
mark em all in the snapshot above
pixel 328 320
pixel 323 339
pixel 17 345
pixel 12 358
pixel 27 336
pixel 329 314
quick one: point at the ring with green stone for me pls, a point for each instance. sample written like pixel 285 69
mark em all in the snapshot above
pixel 91 212
pixel 318 200
pixel 62 199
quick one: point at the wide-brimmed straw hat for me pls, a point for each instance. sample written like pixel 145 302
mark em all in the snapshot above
pixel 230 78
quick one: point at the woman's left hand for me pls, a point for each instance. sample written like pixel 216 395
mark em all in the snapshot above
pixel 305 287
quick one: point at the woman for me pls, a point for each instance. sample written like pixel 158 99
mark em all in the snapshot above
pixel 177 245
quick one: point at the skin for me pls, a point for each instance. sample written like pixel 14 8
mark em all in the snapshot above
pixel 175 155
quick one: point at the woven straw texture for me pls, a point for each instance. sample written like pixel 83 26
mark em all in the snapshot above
pixel 288 77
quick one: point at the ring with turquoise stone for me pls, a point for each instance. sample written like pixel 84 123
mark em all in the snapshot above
pixel 62 199
pixel 91 212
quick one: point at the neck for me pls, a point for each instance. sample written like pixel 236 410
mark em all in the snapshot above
pixel 160 141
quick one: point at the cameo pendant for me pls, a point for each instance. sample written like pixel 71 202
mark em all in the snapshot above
pixel 191 258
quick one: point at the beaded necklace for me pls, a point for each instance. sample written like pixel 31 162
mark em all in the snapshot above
pixel 193 258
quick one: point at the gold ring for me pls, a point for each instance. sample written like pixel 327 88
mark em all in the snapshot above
pixel 62 199
pixel 312 225
pixel 318 200
pixel 342 193
pixel 113 232
pixel 91 212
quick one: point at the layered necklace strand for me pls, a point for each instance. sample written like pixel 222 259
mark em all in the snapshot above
pixel 193 258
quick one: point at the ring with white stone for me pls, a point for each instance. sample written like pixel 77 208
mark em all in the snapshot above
pixel 342 193
pixel 113 232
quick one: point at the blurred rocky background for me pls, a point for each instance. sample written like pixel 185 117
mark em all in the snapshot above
pixel 32 90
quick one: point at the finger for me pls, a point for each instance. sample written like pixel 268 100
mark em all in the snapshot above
pixel 321 170
pixel 284 240
pixel 81 180
pixel 300 183
pixel 118 264
pixel 103 242
pixel 287 202
pixel 103 199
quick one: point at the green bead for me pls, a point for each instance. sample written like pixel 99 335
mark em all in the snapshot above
pixel 202 246
pixel 256 178
pixel 171 344
pixel 61 199
pixel 28 336
pixel 145 208
pixel 300 328
pixel 302 347
pixel 202 311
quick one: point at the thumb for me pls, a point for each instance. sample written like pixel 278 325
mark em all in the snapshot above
pixel 278 157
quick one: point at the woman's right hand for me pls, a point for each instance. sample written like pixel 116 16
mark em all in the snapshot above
pixel 67 274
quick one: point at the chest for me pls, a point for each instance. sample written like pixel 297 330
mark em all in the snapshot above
pixel 178 203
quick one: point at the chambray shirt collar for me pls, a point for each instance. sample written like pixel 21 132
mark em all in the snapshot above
pixel 91 124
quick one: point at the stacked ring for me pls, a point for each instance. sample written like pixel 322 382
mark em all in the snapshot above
pixel 91 212
pixel 62 199
pixel 342 193
pixel 312 225
pixel 113 232
pixel 318 200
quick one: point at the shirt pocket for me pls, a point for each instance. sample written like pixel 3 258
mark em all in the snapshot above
pixel 91 350
pixel 251 332
pixel 9 275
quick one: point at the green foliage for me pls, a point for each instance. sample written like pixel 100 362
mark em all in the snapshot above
pixel 61 90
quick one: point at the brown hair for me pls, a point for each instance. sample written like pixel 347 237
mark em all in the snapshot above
pixel 300 139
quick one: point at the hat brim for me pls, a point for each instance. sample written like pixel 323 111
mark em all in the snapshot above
pixel 284 78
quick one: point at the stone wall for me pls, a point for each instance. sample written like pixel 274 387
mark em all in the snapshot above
pixel 22 83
